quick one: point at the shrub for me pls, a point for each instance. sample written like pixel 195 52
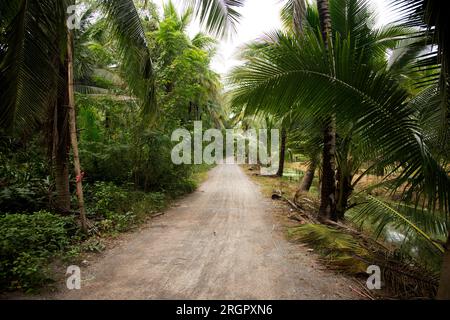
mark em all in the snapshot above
pixel 117 209
pixel 181 187
pixel 122 221
pixel 105 197
pixel 27 244
pixel 94 244
pixel 23 177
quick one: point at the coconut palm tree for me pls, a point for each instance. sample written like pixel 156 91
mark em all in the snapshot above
pixel 36 73
pixel 301 71
pixel 328 189
pixel 429 16
pixel 35 69
pixel 351 18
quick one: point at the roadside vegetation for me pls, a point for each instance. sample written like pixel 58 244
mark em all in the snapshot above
pixel 365 109
pixel 124 147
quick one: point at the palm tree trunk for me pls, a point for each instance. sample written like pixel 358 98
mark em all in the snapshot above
pixel 444 284
pixel 73 133
pixel 328 201
pixel 282 152
pixel 323 8
pixel 59 147
pixel 299 15
pixel 328 190
pixel 309 176
pixel 344 191
pixel 61 172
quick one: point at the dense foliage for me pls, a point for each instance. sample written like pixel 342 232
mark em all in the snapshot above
pixel 124 139
pixel 375 100
pixel 28 242
pixel 358 100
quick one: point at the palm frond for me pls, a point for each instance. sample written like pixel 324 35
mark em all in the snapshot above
pixel 338 83
pixel 183 19
pixel 293 15
pixel 28 72
pixel 429 17
pixel 204 42
pixel 353 252
pixel 218 16
pixel 405 218
pixel 85 89
pixel 136 59
pixel 338 248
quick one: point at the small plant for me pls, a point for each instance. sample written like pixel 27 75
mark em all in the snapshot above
pixel 106 197
pixel 352 254
pixel 93 245
pixel 122 221
pixel 29 241
pixel 117 209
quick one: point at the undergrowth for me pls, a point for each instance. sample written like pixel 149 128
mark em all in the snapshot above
pixel 352 254
pixel 31 242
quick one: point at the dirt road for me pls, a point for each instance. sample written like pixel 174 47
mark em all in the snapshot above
pixel 222 242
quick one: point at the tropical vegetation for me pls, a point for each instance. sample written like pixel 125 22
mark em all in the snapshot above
pixel 87 114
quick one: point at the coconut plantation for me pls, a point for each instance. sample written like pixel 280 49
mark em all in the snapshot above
pixel 211 150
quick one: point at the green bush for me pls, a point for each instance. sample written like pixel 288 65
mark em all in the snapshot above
pixel 117 209
pixel 148 203
pixel 105 197
pixel 28 242
pixel 181 187
pixel 94 244
pixel 24 180
pixel 121 222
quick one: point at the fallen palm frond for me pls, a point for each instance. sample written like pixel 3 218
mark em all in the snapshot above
pixel 353 252
pixel 411 229
pixel 339 249
pixel 301 213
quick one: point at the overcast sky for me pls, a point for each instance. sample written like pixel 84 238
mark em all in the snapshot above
pixel 258 17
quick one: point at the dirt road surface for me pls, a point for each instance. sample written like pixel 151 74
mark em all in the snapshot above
pixel 222 242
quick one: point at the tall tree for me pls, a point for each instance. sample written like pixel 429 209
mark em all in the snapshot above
pixel 282 159
pixel 328 191
pixel 288 71
pixel 37 81
pixel 299 12
pixel 57 127
pixel 430 18
pixel 73 132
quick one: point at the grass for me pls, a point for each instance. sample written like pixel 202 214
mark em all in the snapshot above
pixel 201 173
pixel 288 185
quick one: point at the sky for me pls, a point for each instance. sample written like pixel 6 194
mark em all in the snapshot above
pixel 259 17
